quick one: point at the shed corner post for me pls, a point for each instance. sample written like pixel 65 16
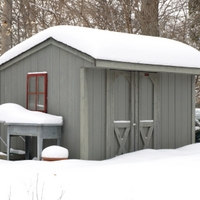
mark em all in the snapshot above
pixel 155 78
pixel 193 108
pixel 136 111
pixel 84 135
pixel 158 120
pixel 132 115
pixel 109 111
pixel 8 142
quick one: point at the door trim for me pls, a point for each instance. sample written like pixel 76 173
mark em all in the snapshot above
pixel 135 131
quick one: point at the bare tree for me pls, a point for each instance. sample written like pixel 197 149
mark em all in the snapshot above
pixel 173 19
pixel 194 33
pixel 148 17
pixel 6 30
pixel 194 13
pixel 165 18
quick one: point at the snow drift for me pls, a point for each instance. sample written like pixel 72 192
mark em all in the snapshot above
pixel 146 174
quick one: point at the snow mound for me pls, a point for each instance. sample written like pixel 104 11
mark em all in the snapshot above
pixel 14 113
pixel 114 46
pixel 3 154
pixel 17 151
pixel 55 152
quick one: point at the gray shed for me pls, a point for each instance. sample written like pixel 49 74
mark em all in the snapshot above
pixel 117 92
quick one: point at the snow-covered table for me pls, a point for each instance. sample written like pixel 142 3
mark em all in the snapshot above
pixel 47 131
pixel 23 122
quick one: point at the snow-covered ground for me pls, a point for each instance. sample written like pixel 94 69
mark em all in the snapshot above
pixel 146 174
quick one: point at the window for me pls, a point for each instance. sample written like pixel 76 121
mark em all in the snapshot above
pixel 37 91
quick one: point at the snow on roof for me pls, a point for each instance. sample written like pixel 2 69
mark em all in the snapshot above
pixel 115 46
pixel 14 113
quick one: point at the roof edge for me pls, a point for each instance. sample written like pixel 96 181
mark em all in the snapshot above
pixel 25 54
pixel 145 67
pixel 45 43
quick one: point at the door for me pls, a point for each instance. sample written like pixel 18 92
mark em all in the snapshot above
pixel 131 111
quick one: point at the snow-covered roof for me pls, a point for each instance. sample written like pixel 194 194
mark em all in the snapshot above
pixel 114 46
pixel 11 113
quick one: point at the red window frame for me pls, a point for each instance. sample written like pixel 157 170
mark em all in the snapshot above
pixel 36 93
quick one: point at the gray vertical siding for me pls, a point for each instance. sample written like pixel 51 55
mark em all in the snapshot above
pixel 96 113
pixel 122 106
pixel 10 92
pixel 146 102
pixel 176 109
pixel 2 127
pixel 63 70
pixel 146 98
pixel 121 98
pixel 63 92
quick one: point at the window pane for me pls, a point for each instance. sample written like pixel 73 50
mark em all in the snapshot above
pixel 31 88
pixel 37 92
pixel 40 102
pixel 41 84
pixel 31 102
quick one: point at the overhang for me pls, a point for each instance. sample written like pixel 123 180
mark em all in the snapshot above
pixel 145 67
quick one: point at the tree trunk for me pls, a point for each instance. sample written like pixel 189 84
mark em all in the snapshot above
pixel 6 38
pixel 149 17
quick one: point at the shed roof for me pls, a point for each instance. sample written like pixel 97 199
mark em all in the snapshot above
pixel 114 46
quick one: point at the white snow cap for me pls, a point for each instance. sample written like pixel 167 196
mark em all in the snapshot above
pixel 55 152
pixel 115 46
pixel 14 113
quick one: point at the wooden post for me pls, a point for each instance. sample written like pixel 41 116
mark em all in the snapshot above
pixel 108 114
pixel 158 112
pixel 84 135
pixel 8 142
pixel 112 104
pixel 154 80
pixel 193 109
pixel 132 117
pixel 137 121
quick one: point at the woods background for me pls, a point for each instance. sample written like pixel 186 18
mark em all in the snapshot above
pixel 174 19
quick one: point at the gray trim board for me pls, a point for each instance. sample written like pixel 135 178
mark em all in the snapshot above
pixel 24 55
pixel 132 116
pixel 145 67
pixel 108 113
pixel 158 111
pixel 137 121
pixel 101 63
pixel 154 79
pixel 193 109
pixel 72 50
pixel 84 140
pixel 42 45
